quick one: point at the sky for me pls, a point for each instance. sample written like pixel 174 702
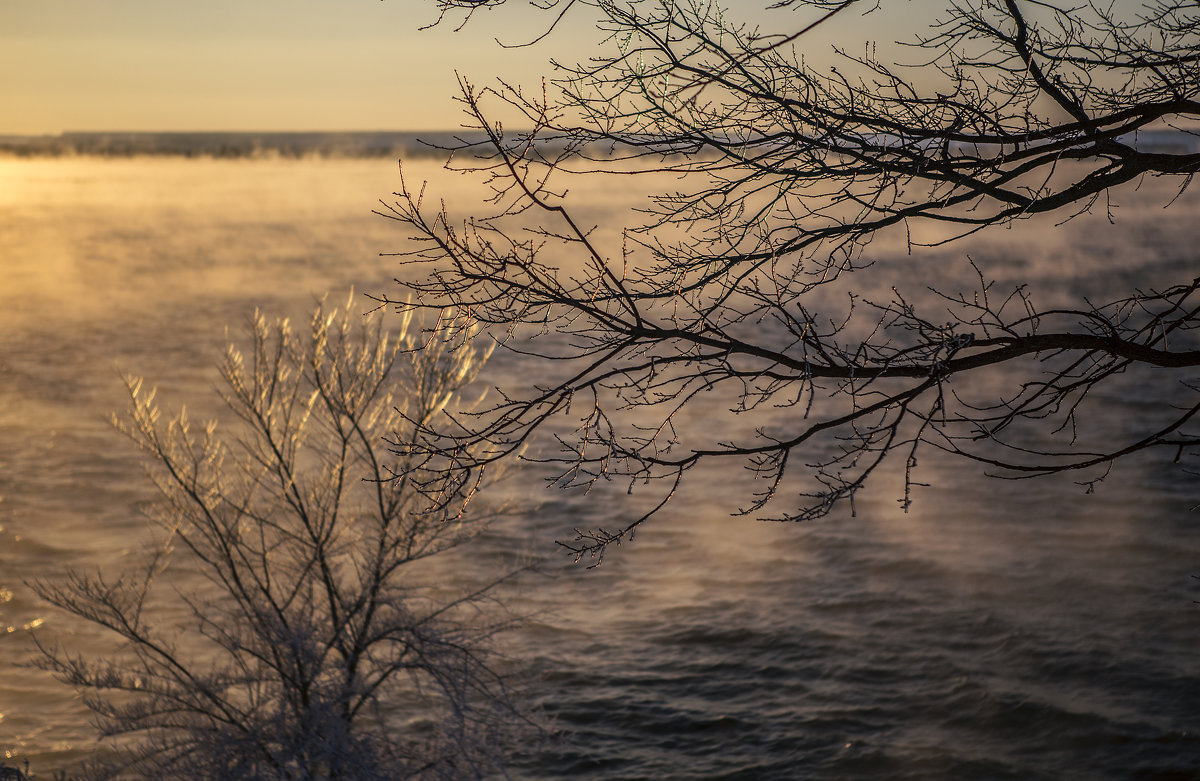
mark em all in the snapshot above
pixel 68 65
pixel 230 65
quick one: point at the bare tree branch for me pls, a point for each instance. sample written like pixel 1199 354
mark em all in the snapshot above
pixel 786 174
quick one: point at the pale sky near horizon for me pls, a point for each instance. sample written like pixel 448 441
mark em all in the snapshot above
pixel 150 65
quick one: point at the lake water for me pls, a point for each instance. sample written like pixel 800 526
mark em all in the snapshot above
pixel 997 630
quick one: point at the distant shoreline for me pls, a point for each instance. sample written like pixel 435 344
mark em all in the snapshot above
pixel 354 144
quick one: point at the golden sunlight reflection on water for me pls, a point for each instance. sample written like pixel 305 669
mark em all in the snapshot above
pixel 139 265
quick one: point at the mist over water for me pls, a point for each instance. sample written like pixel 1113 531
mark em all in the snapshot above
pixel 997 630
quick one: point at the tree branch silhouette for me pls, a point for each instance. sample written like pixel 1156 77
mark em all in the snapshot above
pixel 786 173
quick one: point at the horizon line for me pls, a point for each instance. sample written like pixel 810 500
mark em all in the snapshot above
pixel 61 133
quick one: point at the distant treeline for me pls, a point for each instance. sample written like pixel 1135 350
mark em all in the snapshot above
pixel 378 144
pixel 232 145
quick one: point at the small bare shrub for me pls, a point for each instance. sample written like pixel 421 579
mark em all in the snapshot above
pixel 308 645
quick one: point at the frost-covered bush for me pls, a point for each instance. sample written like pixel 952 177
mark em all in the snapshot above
pixel 312 642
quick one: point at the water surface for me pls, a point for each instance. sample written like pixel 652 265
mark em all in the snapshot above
pixel 997 630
